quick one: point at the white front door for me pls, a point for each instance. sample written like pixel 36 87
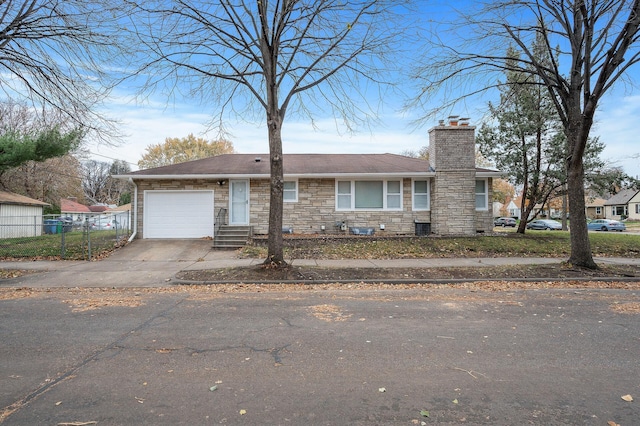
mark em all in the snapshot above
pixel 239 202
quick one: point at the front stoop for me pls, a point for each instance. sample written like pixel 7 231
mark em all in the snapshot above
pixel 231 237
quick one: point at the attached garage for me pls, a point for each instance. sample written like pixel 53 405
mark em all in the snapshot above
pixel 178 214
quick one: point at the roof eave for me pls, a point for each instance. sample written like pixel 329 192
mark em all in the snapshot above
pixel 489 173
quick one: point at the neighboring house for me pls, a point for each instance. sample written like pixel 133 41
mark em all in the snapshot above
pixel 508 209
pixel 625 204
pixel 20 216
pixel 323 193
pixel 512 209
pixel 498 209
pixel 123 215
pixel 69 207
pixel 594 208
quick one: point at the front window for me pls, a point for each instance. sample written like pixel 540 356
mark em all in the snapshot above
pixel 482 194
pixel 290 191
pixel 369 195
pixel 421 195
pixel 619 210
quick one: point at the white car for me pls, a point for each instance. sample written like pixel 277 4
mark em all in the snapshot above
pixel 103 222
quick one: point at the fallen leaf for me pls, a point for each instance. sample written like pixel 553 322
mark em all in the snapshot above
pixel 382 390
pixel 243 412
pixel 58 403
pixel 212 388
pixel 455 401
pixel 611 423
pixel 627 398
pixel 424 413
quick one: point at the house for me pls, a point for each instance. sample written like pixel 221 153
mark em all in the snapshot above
pixel 20 216
pixel 122 215
pixel 69 207
pixel 323 193
pixel 594 208
pixel 625 204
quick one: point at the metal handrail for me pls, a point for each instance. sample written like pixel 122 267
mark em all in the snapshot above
pixel 221 219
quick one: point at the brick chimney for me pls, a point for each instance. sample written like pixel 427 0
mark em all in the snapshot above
pixel 452 156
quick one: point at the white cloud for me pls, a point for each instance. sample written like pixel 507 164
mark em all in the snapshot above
pixel 152 124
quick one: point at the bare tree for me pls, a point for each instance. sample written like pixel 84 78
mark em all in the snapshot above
pixel 96 179
pixel 54 54
pixel 270 58
pixel 48 180
pixel 588 46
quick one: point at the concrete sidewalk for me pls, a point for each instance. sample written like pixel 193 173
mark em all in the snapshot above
pixel 154 263
pixel 120 271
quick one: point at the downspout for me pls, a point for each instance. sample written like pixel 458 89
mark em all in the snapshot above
pixel 135 210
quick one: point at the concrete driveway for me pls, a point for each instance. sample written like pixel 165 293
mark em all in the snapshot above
pixel 141 263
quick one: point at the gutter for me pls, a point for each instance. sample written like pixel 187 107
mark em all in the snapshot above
pixel 135 210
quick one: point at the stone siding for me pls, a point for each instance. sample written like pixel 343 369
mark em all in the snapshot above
pixel 453 200
pixel 316 208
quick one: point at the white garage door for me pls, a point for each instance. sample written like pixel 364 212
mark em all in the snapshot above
pixel 178 214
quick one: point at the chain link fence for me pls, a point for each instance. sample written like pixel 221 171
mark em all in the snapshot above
pixel 62 237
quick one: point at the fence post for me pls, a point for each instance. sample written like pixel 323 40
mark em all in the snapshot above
pixel 62 244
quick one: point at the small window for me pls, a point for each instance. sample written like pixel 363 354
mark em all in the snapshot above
pixel 421 195
pixel 598 210
pixel 290 191
pixel 344 195
pixel 482 195
pixel 394 195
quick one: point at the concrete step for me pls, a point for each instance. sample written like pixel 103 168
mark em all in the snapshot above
pixel 231 237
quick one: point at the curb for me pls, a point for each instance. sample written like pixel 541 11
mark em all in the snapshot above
pixel 407 281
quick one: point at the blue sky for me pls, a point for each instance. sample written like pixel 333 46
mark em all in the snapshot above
pixel 158 118
pixel 151 123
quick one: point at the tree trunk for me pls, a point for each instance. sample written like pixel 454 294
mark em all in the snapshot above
pixel 580 244
pixel 275 245
pixel 524 215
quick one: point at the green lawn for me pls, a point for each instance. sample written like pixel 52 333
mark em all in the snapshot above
pixel 532 244
pixel 50 245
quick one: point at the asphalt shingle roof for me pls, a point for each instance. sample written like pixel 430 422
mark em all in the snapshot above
pixel 294 164
pixel 622 197
pixel 11 198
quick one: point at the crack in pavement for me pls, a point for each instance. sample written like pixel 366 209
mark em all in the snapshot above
pixel 69 373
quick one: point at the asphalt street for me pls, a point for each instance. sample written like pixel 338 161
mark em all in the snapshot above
pixel 184 355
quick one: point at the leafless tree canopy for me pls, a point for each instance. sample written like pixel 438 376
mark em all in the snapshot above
pixel 331 54
pixel 54 54
pixel 588 46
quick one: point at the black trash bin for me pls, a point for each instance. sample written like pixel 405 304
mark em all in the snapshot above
pixel 66 224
